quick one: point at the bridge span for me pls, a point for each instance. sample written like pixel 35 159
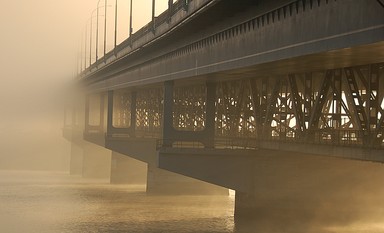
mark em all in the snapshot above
pixel 257 96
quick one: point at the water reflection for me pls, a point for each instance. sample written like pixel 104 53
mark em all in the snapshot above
pixel 55 202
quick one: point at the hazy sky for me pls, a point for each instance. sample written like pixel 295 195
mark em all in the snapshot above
pixel 40 38
pixel 39 43
pixel 40 35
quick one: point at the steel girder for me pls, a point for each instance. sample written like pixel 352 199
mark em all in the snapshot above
pixel 342 106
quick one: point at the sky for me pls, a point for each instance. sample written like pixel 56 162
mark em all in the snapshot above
pixel 39 43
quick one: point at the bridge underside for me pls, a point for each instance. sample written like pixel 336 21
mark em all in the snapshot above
pixel 327 109
pixel 346 57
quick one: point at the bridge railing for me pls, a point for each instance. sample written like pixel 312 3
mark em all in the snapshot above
pixel 224 143
pixel 350 138
pixel 149 27
pixel 285 10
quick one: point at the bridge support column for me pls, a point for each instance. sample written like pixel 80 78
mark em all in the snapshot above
pixel 96 162
pixel 289 187
pixel 168 130
pixel 162 182
pixel 76 160
pixel 205 136
pixel 90 114
pixel 111 129
pixel 126 170
pixel 209 131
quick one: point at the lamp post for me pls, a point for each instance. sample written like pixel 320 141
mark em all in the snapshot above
pixel 81 53
pixel 115 24
pixel 153 14
pixel 105 27
pixel 130 21
pixel 85 45
pixel 90 38
pixel 97 28
pixel 97 10
pixel 170 10
pixel 97 31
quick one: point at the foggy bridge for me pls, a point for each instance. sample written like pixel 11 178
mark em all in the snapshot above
pixel 256 96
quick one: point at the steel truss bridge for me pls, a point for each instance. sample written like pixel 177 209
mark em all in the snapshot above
pixel 245 75
pixel 338 107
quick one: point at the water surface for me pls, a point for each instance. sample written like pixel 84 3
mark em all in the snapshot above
pixel 47 202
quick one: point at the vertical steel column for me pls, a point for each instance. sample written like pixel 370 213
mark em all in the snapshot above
pixel 271 108
pixel 297 105
pixel 320 101
pixel 373 103
pixel 263 104
pixel 355 101
pixel 256 105
pixel 308 98
pixel 283 113
pixel 210 115
pixel 132 130
pixel 110 113
pixel 336 111
pixel 168 114
pixel 373 92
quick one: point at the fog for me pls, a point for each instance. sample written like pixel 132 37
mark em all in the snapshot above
pixel 39 44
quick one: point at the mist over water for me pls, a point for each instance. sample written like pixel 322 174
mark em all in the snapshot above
pixel 56 202
pixel 37 194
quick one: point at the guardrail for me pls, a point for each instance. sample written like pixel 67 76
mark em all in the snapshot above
pixel 284 11
pixel 350 138
pixel 227 143
pixel 149 27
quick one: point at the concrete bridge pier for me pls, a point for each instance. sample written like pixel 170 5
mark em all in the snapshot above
pixel 96 162
pixel 159 181
pixel 309 190
pixel 91 161
pixel 126 170
pixel 76 160
pixel 282 188
pixel 162 182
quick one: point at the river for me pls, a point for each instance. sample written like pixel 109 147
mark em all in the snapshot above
pixel 53 202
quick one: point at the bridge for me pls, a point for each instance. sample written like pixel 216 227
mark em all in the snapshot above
pixel 262 97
